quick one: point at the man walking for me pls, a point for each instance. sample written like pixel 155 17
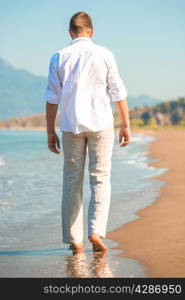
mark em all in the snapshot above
pixel 82 78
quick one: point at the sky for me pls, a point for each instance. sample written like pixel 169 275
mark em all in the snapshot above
pixel 147 38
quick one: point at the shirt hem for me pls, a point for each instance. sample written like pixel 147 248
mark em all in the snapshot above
pixel 81 131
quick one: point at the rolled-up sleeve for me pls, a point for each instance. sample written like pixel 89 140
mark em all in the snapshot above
pixel 115 85
pixel 54 86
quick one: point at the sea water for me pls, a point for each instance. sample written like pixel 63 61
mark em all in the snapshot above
pixel 30 207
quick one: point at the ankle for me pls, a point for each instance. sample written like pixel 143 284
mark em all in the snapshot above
pixel 93 236
pixel 77 245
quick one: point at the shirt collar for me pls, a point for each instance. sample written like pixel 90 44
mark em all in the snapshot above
pixel 82 38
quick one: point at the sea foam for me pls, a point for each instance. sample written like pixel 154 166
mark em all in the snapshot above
pixel 2 162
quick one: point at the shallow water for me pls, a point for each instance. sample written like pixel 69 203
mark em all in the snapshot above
pixel 30 207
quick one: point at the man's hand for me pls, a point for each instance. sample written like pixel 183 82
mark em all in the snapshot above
pixel 124 133
pixel 53 141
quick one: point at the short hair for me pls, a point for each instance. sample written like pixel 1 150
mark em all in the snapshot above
pixel 80 22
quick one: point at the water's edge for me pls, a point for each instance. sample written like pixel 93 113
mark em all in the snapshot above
pixel 116 245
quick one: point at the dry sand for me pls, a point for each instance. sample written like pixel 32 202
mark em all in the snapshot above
pixel 157 238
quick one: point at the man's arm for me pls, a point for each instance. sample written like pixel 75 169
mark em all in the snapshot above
pixel 53 140
pixel 53 97
pixel 51 113
pixel 118 93
pixel 123 112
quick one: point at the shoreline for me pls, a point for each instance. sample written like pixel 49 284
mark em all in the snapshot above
pixel 156 238
pixel 34 128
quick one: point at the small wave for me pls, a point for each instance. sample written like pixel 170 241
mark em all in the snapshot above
pixel 30 174
pixel 139 164
pixel 131 162
pixel 2 162
pixel 139 155
pixel 5 203
pixel 137 138
pixel 9 181
pixel 142 138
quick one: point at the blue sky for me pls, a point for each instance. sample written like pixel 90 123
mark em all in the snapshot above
pixel 147 38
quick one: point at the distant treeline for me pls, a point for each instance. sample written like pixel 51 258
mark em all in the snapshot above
pixel 164 114
pixel 170 112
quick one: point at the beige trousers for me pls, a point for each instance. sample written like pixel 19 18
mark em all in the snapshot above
pixel 100 146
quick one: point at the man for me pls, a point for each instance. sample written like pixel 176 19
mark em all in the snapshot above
pixel 82 78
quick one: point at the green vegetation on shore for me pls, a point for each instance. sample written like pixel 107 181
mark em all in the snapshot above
pixel 164 115
pixel 169 114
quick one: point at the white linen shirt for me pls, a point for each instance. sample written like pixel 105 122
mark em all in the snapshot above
pixel 83 77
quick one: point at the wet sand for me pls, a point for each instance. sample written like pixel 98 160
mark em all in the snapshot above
pixel 157 238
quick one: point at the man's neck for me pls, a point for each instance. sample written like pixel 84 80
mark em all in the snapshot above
pixel 79 36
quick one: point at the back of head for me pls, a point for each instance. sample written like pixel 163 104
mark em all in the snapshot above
pixel 81 23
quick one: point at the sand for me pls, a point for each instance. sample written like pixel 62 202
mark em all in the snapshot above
pixel 157 238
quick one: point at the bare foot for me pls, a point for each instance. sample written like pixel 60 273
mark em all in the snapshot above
pixel 77 248
pixel 97 243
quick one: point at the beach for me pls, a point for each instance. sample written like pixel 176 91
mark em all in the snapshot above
pixel 157 237
pixel 30 206
pixel 151 237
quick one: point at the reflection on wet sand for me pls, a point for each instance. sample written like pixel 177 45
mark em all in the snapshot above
pixel 100 266
pixel 78 266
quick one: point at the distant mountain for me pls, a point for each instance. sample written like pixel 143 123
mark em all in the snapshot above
pixel 21 93
pixel 35 121
pixel 142 100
